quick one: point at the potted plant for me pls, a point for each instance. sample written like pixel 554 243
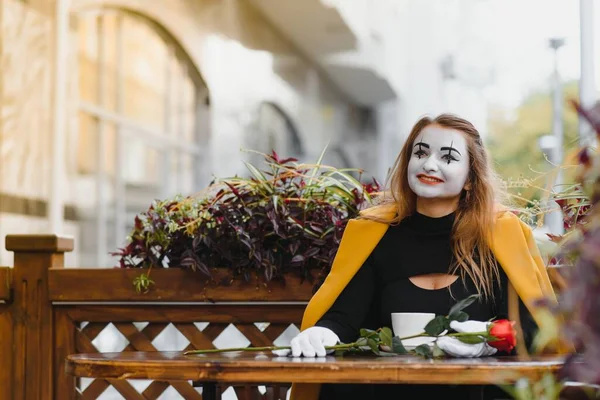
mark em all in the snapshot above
pixel 577 313
pixel 286 218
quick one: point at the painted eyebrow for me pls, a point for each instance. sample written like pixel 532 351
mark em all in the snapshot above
pixel 423 145
pixel 451 149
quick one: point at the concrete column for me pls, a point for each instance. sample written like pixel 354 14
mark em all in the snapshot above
pixel 587 85
pixel 56 202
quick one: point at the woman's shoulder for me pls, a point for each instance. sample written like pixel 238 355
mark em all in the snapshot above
pixel 507 218
pixel 378 213
pixel 386 213
pixel 506 214
pixel 370 221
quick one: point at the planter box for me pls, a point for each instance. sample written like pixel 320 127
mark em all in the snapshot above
pixel 171 284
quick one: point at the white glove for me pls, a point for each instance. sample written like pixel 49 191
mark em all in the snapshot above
pixel 456 348
pixel 311 342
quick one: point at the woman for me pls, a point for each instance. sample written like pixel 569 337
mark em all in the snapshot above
pixel 439 236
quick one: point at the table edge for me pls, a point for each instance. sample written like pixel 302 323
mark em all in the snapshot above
pixel 246 371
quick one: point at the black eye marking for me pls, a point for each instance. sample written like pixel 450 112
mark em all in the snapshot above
pixel 449 157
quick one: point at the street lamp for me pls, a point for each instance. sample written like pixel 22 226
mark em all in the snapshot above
pixel 587 86
pixel 557 102
pixel 547 144
pixel 554 220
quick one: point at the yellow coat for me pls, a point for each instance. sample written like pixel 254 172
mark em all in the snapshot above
pixel 512 244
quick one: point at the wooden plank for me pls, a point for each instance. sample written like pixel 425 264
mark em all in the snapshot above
pixel 155 389
pixel 277 392
pixel 5 283
pixel 126 390
pixel 95 389
pixel 34 325
pixel 213 330
pixel 186 390
pixel 154 329
pixel 264 367
pixel 218 313
pixel 64 344
pixel 6 353
pixel 197 339
pixel 171 284
pixel 273 331
pixel 247 392
pixel 83 344
pixel 39 243
pixel 91 329
pixel 137 339
pixel 254 335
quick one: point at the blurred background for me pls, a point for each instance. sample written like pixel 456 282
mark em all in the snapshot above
pixel 106 105
pixel 109 104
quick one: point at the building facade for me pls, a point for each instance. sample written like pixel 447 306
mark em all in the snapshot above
pixel 109 104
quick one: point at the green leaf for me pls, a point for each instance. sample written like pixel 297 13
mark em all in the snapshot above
pixel 470 339
pixel 423 350
pixel 340 352
pixel 552 387
pixel 509 389
pixel 259 177
pixel 366 332
pixel 142 283
pixel 318 166
pixel 550 332
pixel 361 342
pixel 437 352
pixel 385 336
pixel 372 343
pixel 459 316
pixel 437 325
pixel 386 354
pixel 337 186
pixel 464 303
pixel 397 346
pixel 351 180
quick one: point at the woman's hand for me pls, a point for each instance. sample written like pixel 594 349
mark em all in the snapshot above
pixel 454 347
pixel 311 342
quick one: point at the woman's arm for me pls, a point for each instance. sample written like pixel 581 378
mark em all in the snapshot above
pixel 349 311
pixel 528 324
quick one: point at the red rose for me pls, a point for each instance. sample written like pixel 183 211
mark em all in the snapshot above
pixel 504 333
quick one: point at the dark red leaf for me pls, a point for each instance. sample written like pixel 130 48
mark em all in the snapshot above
pixel 297 258
pixel 275 157
pixel 584 157
pixel 311 252
pixel 288 160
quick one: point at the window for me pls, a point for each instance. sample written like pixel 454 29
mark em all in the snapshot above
pixel 141 126
pixel 275 131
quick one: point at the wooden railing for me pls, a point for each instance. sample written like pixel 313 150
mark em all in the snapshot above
pixel 48 311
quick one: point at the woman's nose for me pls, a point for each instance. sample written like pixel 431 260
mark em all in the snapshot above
pixel 430 165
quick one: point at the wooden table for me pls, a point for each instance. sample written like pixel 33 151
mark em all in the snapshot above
pixel 210 369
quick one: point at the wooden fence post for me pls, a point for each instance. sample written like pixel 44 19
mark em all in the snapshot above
pixel 6 330
pixel 31 313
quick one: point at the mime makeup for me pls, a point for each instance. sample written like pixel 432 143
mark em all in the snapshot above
pixel 439 165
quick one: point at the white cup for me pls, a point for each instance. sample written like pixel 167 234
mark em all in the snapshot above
pixel 408 324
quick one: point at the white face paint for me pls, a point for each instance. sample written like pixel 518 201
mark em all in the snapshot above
pixel 439 165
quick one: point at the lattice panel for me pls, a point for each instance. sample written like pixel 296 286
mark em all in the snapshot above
pixel 92 337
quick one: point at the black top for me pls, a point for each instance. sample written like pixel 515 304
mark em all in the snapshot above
pixel 418 245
